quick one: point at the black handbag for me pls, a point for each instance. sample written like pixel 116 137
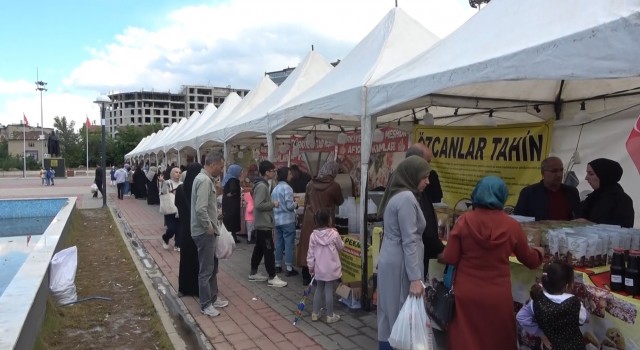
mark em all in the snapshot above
pixel 442 305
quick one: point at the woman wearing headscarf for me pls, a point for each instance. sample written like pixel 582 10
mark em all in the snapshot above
pixel 400 265
pixel 231 200
pixel 153 193
pixel 322 192
pixel 189 264
pixel 608 203
pixel 139 183
pixel 479 245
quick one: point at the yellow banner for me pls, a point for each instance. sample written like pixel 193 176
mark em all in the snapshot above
pixel 351 260
pixel 463 155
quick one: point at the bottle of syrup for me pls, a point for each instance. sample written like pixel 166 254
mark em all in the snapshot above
pixel 632 274
pixel 617 270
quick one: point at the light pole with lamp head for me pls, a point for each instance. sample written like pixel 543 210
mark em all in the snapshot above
pixel 41 86
pixel 103 100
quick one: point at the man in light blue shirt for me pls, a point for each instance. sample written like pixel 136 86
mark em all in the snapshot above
pixel 285 221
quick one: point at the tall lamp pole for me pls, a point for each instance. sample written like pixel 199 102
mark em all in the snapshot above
pixel 103 100
pixel 40 86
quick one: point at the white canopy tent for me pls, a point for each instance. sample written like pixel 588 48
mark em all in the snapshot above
pixel 255 121
pixel 550 54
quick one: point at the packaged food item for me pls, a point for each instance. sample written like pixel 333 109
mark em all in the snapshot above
pixel 576 250
pixel 534 235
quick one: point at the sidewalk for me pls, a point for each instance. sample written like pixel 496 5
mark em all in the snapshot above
pixel 258 316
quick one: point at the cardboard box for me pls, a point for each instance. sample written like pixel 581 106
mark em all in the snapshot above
pixel 350 294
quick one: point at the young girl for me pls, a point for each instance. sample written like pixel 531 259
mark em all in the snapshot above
pixel 248 215
pixel 553 314
pixel 324 263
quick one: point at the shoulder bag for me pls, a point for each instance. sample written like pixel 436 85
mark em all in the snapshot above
pixel 442 304
pixel 167 202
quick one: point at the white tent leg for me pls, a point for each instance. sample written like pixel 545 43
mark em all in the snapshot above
pixel 271 142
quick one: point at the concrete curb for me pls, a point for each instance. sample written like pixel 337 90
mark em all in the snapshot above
pixel 174 315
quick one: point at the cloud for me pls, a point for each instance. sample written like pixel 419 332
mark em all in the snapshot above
pixel 235 42
pixel 230 43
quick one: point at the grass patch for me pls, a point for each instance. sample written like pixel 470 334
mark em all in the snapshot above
pixel 105 269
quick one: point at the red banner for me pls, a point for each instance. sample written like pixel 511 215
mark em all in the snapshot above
pixel 310 155
pixel 385 155
pixel 633 144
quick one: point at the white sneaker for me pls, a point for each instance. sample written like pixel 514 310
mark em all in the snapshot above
pixel 258 277
pixel 276 282
pixel 165 245
pixel 210 311
pixel 220 303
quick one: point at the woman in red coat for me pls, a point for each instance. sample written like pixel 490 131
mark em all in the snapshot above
pixel 480 245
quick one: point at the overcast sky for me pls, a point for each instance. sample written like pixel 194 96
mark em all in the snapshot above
pixel 86 48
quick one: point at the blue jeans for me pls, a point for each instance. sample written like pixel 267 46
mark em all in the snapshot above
pixel 207 276
pixel 384 345
pixel 285 238
pixel 126 187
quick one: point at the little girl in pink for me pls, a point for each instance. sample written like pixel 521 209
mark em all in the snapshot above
pixel 248 215
pixel 324 264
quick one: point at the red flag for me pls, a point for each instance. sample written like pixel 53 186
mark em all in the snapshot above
pixel 25 119
pixel 88 123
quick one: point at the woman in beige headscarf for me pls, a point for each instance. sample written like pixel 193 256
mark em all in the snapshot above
pixel 322 192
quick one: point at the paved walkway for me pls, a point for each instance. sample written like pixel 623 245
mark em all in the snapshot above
pixel 258 316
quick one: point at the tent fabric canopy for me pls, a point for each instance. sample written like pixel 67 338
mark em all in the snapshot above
pixel 531 51
pixel 339 95
pixel 312 68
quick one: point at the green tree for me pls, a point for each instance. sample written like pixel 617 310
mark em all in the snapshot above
pixel 71 147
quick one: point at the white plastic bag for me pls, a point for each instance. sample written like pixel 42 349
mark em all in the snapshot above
pixel 226 244
pixel 63 274
pixel 412 329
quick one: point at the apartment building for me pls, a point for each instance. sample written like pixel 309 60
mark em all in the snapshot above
pixel 154 107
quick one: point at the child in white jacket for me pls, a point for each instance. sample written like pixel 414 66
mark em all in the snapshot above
pixel 324 264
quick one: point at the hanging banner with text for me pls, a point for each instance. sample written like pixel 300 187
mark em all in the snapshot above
pixel 463 155
pixel 385 156
pixel 310 153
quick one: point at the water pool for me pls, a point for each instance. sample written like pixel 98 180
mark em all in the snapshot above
pixel 30 234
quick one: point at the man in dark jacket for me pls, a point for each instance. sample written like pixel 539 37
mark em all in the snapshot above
pixel 549 199
pixel 98 181
pixel 432 243
pixel 299 179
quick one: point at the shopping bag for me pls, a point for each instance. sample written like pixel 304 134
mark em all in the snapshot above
pixel 62 275
pixel 167 204
pixel 226 244
pixel 412 329
pixel 94 188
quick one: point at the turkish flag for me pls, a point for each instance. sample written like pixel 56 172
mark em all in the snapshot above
pixel 26 122
pixel 88 123
pixel 633 144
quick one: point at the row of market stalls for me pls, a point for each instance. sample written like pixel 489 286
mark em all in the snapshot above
pixel 519 81
pixel 514 62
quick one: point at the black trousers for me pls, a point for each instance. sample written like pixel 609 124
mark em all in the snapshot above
pixel 120 190
pixel 173 225
pixel 264 247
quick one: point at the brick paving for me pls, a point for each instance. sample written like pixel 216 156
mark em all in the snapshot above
pixel 258 316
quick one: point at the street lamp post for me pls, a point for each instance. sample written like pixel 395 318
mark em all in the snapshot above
pixel 103 100
pixel 40 86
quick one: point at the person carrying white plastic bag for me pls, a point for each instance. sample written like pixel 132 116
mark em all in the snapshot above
pixel 226 244
pixel 63 274
pixel 412 329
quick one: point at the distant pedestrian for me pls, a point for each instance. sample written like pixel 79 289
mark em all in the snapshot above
pixel 248 217
pixel 112 174
pixel 127 169
pixel 171 221
pixel 43 175
pixel 121 178
pixel 52 175
pixel 323 261
pixel 98 181
pixel 205 232
pixel 232 200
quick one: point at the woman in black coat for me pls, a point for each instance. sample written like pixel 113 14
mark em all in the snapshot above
pixel 153 193
pixel 139 183
pixel 608 203
pixel 189 265
pixel 231 201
